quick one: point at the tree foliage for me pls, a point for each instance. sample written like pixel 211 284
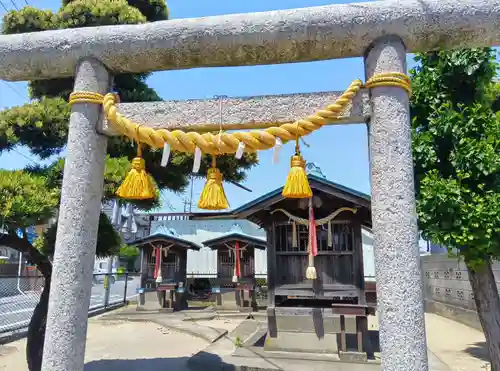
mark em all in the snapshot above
pixel 31 196
pixel 108 241
pixel 128 251
pixel 129 254
pixel 25 199
pixel 42 125
pixel 456 149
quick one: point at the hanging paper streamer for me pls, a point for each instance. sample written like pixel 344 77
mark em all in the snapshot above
pixel 297 184
pixel 138 185
pixel 330 235
pixel 277 150
pixel 312 244
pixel 240 150
pixel 165 155
pixel 294 235
pixel 197 160
pixel 237 262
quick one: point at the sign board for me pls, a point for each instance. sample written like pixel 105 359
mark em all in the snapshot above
pixel 180 289
pixel 216 290
pixel 139 290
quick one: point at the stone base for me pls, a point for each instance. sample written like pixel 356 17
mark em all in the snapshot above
pixel 166 310
pixel 152 301
pixel 246 309
pixel 353 357
pixel 297 342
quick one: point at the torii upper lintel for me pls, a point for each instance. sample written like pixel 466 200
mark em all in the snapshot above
pixel 295 35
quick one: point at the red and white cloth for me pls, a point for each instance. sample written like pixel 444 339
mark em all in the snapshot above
pixel 237 263
pixel 313 242
pixel 157 272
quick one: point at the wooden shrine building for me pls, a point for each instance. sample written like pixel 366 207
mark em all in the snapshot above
pixel 163 270
pixel 236 265
pixel 327 313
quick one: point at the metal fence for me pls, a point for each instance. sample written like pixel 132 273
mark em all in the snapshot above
pixel 19 296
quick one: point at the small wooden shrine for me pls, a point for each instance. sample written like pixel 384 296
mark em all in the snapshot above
pixel 163 270
pixel 236 266
pixel 316 287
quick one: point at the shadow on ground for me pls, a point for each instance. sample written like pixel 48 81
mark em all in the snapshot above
pixel 153 364
pixel 209 362
pixel 478 350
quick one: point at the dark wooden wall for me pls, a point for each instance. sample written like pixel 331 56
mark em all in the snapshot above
pixel 174 266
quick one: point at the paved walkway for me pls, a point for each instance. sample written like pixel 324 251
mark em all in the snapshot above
pixel 144 346
pixel 460 347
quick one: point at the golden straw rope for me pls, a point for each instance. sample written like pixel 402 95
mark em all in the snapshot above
pixel 225 143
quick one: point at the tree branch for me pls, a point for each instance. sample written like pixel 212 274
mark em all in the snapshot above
pixel 23 246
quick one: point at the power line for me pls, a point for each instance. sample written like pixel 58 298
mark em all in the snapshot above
pixel 14 4
pixel 23 155
pixel 3 6
pixel 11 87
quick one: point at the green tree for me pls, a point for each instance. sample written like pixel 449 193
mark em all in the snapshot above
pixel 42 126
pixel 28 199
pixel 129 254
pixel 456 148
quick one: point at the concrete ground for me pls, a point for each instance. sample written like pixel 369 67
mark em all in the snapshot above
pixel 143 346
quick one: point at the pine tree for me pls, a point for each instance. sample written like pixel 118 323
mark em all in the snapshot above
pixel 42 126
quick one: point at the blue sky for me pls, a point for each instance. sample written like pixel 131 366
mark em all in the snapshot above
pixel 340 151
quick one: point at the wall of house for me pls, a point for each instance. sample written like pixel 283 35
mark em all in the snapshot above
pixel 447 288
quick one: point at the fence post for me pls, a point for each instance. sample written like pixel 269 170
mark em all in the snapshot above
pixel 108 281
pixel 125 290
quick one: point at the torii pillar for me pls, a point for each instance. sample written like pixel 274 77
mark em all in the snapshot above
pixel 395 233
pixel 81 194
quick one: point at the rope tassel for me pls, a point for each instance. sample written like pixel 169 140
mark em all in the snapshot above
pixel 297 184
pixel 138 185
pixel 213 196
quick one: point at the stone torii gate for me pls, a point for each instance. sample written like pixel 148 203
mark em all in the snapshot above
pixel 383 32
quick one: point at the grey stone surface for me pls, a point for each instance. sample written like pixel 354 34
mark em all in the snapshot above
pixel 171 321
pixel 276 109
pixel 395 233
pixel 353 356
pixel 302 342
pixel 77 228
pixel 308 34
